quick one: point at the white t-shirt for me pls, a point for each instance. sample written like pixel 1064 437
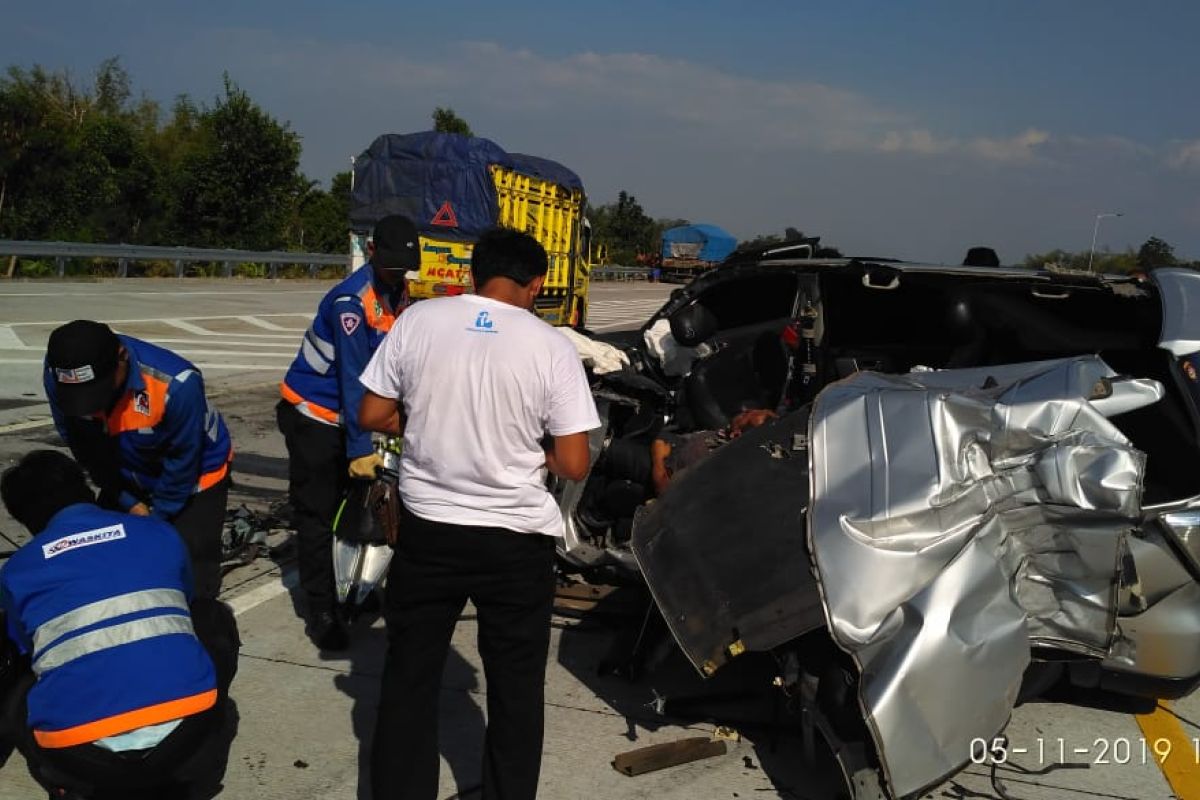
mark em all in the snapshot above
pixel 481 382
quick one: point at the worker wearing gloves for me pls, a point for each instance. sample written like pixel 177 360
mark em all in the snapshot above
pixel 121 684
pixel 317 415
pixel 136 417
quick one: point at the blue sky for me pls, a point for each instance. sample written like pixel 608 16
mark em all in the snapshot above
pixel 907 129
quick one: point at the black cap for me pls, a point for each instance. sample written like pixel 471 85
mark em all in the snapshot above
pixel 396 244
pixel 82 358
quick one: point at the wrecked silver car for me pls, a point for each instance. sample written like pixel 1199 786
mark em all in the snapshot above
pixel 970 483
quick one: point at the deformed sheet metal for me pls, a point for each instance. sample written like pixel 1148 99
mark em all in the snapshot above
pixel 723 549
pixel 958 517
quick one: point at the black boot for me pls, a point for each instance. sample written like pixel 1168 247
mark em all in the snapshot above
pixel 328 632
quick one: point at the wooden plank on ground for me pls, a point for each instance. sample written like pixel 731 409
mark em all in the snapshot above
pixel 667 754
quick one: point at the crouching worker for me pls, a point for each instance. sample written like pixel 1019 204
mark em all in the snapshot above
pixel 121 697
pixel 136 417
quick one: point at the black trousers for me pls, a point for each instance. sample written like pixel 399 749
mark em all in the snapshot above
pixel 172 770
pixel 317 481
pixel 200 524
pixel 510 579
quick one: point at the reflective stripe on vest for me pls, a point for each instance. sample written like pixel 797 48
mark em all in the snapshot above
pixel 310 410
pixel 318 353
pixel 211 479
pixel 113 636
pixel 109 608
pixel 377 317
pixel 123 723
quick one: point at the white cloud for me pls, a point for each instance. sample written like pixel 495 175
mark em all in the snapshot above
pixel 1022 148
pixel 921 142
pixel 683 98
pixel 647 97
pixel 696 141
pixel 1184 155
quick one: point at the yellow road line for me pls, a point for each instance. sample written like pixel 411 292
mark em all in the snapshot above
pixel 1181 767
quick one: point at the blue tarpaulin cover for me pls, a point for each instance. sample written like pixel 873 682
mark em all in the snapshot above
pixel 702 241
pixel 546 169
pixel 418 174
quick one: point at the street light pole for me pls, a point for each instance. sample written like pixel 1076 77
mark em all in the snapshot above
pixel 1096 230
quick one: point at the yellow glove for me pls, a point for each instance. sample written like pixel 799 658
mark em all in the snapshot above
pixel 365 466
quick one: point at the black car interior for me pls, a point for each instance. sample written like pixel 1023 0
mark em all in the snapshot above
pixel 878 317
pixel 742 322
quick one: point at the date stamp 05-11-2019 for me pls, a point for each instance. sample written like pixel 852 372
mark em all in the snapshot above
pixel 1118 750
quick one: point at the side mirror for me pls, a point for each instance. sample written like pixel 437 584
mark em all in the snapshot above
pixel 693 325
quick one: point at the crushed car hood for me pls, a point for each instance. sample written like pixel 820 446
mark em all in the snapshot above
pixel 957 518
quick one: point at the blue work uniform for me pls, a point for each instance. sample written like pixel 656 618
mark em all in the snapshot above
pixel 169 442
pixel 99 601
pixel 351 322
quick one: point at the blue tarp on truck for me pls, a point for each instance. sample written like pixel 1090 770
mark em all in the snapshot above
pixel 697 242
pixel 438 178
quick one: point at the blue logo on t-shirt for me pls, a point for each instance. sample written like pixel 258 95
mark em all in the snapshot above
pixel 483 324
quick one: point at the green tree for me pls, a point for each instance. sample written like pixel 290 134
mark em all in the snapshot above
pixel 238 185
pixel 112 87
pixel 790 234
pixel 446 121
pixel 1105 262
pixel 74 161
pixel 1154 252
pixel 629 234
pixel 321 219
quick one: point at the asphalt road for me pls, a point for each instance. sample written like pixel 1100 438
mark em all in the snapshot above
pixel 304 718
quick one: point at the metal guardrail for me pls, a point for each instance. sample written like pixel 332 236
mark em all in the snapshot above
pixel 618 273
pixel 61 252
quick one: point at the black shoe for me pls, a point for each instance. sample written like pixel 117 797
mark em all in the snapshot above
pixel 370 604
pixel 327 631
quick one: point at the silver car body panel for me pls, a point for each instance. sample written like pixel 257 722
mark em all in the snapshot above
pixel 959 517
pixel 1158 607
pixel 1179 292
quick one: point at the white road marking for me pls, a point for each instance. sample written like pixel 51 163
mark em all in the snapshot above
pixel 289 345
pixel 203 365
pixel 28 425
pixel 160 319
pixel 261 594
pixel 290 339
pixel 184 325
pixel 262 323
pixel 183 293
pixel 190 352
pixel 9 339
pixel 606 315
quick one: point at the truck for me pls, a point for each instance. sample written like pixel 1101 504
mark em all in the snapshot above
pixel 454 187
pixel 688 250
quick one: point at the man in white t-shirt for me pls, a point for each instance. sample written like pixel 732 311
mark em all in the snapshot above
pixel 488 398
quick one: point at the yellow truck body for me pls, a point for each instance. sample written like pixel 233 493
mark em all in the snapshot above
pixel 550 213
pixel 406 173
